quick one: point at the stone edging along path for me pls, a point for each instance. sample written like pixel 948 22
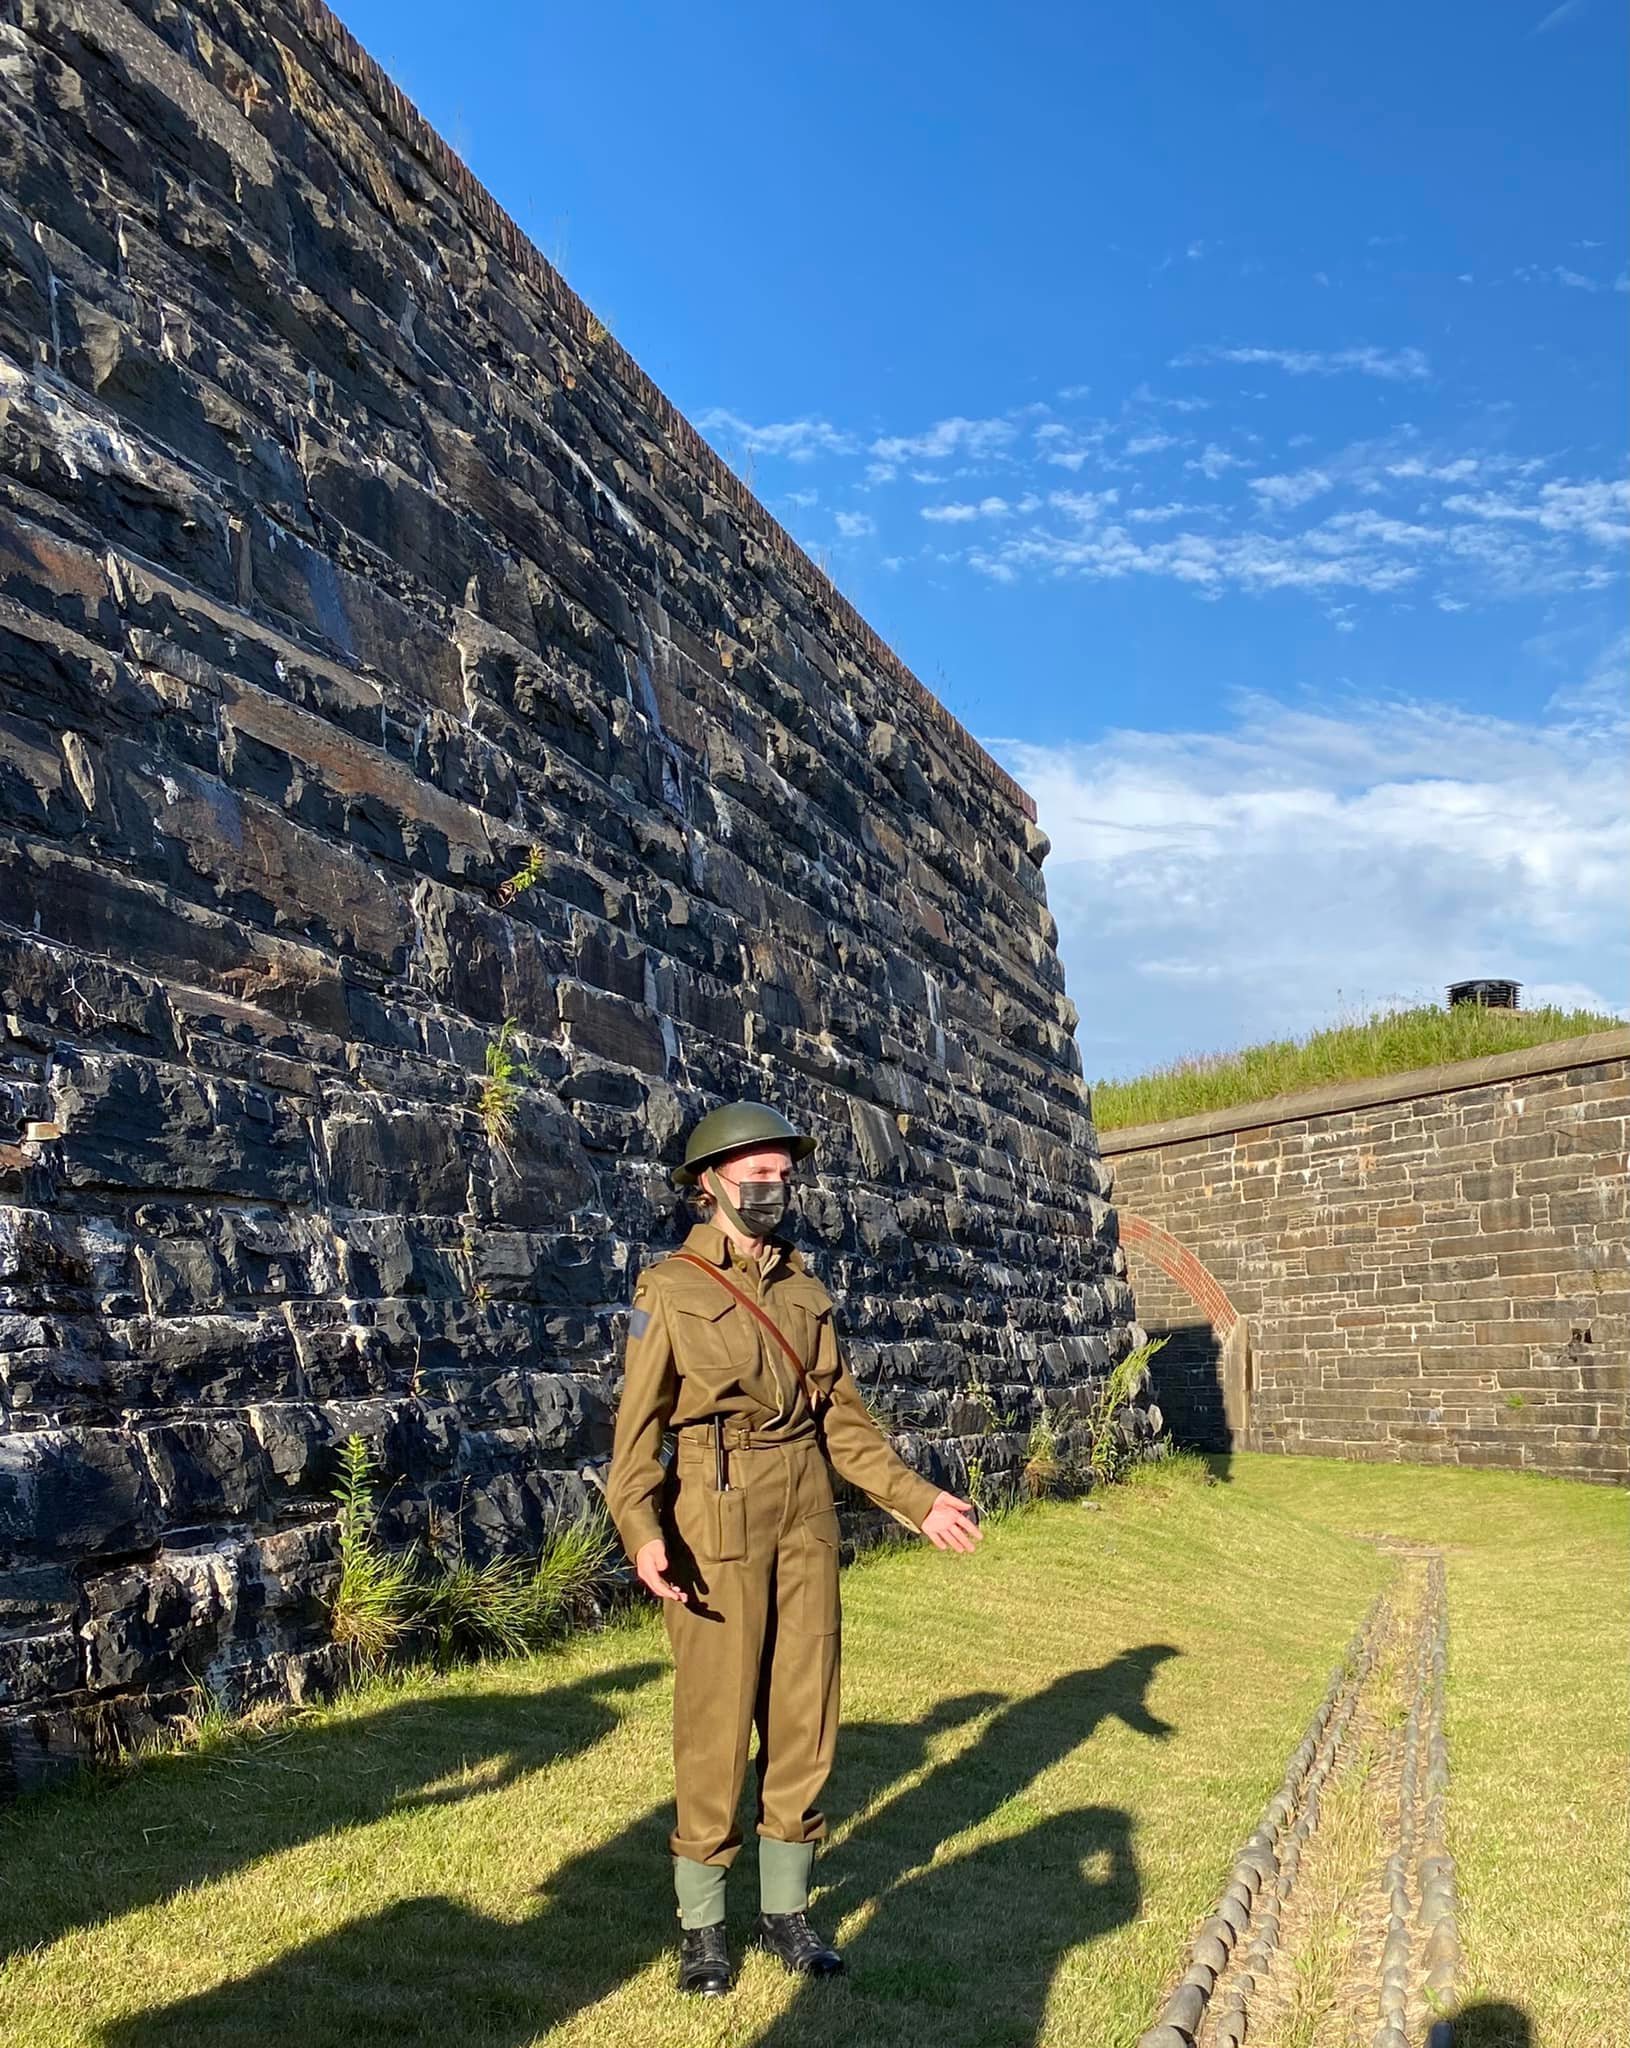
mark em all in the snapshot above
pixel 1401 1942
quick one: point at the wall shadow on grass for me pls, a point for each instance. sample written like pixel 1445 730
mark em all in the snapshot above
pixel 431 1970
pixel 98 1849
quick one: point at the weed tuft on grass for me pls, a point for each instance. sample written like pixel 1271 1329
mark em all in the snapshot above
pixel 377 1601
pixel 503 1607
pixel 1043 1465
pixel 1109 1454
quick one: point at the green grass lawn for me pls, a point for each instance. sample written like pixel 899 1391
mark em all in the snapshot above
pixel 1050 1752
pixel 1394 1042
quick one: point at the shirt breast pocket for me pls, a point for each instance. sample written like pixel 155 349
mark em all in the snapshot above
pixel 804 1316
pixel 712 1343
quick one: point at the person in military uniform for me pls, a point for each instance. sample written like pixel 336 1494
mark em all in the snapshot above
pixel 732 1349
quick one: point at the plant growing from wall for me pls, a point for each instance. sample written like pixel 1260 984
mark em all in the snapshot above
pixel 501 1090
pixel 377 1601
pixel 1108 1454
pixel 526 876
pixel 983 1397
pixel 477 1610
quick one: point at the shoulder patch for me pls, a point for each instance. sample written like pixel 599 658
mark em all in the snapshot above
pixel 639 1322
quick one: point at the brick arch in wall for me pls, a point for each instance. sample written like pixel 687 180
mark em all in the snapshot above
pixel 1225 1374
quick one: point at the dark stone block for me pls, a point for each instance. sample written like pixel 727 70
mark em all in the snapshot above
pixel 129 1123
pixel 72 1493
pixel 35 1664
pixel 162 1620
pixel 611 1030
pixel 216 1360
pixel 205 1468
pixel 403 1158
pixel 539 1173
pixel 37 1593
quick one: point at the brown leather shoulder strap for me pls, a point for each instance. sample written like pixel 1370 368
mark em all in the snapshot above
pixel 753 1309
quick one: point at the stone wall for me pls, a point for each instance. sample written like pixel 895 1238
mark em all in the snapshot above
pixel 383 658
pixel 1432 1266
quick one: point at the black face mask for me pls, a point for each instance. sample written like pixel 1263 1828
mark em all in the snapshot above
pixel 762 1206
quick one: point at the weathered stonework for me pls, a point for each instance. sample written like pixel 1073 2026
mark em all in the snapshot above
pixel 1431 1266
pixel 350 575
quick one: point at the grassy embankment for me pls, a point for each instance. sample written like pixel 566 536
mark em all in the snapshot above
pixel 1392 1043
pixel 1051 1750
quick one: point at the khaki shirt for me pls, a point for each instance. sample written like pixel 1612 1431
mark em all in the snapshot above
pixel 694 1353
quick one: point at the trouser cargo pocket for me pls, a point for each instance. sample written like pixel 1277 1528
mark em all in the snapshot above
pixel 817 1538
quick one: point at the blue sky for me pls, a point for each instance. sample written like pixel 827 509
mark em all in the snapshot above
pixel 1222 408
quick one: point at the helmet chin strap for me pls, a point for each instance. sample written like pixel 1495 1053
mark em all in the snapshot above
pixel 715 1187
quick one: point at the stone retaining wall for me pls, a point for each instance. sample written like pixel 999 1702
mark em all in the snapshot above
pixel 1429 1266
pixel 382 658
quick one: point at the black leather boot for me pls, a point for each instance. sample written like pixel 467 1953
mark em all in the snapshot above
pixel 800 1949
pixel 704 1961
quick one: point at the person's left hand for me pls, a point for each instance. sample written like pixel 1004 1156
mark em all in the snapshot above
pixel 950 1524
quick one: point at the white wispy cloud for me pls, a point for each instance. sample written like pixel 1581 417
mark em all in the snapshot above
pixel 1520 539
pixel 1400 365
pixel 1297 488
pixel 956 436
pixel 1599 510
pixel 1083 506
pixel 855 525
pixel 1151 444
pixel 1070 446
pixel 1304 860
pixel 1568 11
pixel 1155 515
pixel 1214 461
pixel 1555 273
pixel 1324 560
pixel 1458 471
pixel 795 440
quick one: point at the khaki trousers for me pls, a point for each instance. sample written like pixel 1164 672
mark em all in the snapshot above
pixel 757 1644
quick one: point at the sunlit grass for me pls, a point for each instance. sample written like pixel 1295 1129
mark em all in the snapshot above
pixel 1051 1750
pixel 1385 1043
pixel 1538 1720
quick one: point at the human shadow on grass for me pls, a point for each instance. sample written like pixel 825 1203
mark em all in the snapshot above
pixel 976 1939
pixel 1495 2024
pixel 97 1849
pixel 431 1970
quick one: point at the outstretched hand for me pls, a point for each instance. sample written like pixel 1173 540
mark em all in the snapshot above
pixel 952 1524
pixel 651 1563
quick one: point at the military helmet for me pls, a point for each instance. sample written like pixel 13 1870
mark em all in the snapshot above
pixel 737 1127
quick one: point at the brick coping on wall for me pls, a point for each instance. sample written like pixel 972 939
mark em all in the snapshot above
pixel 405 121
pixel 1339 1095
